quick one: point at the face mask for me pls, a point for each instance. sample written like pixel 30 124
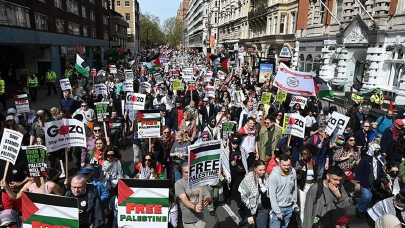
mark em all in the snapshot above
pixel 398 207
pixel 393 174
pixel 346 132
pixel 389 117
pixel 376 153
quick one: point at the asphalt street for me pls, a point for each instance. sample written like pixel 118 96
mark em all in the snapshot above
pixel 226 216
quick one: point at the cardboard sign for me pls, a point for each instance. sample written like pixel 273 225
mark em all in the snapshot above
pixel 36 159
pixel 65 84
pixel 64 133
pixel 208 76
pixel 337 121
pixel 266 98
pixel 113 69
pixel 285 121
pixel 129 75
pixel 21 103
pixel 101 110
pixel 135 101
pixel 191 86
pixel 93 73
pixel 148 124
pixel 10 145
pixel 48 210
pixel 143 203
pixel 128 86
pixel 300 100
pixel 228 128
pixel 281 96
pixel 177 85
pixel 145 87
pixel 296 126
pixel 100 89
pixel 204 164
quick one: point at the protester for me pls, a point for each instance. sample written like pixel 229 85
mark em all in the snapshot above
pixel 384 122
pixel 111 168
pixel 347 157
pixel 149 168
pixel 179 154
pixel 101 189
pixel 387 185
pixel 392 205
pixel 269 136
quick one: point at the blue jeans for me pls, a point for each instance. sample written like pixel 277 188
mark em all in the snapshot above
pixel 275 222
pixel 365 197
pixel 321 170
pixel 262 216
pixel 177 173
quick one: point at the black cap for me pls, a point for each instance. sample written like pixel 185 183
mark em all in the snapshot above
pixel 234 139
pixel 162 107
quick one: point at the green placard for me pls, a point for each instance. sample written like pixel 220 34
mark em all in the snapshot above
pixel 266 98
pixel 101 110
pixel 281 96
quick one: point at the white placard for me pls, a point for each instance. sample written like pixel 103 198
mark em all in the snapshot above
pixel 337 120
pixel 22 104
pixel 113 69
pixel 64 133
pixel 128 86
pixel 65 84
pixel 100 89
pixel 135 101
pixel 129 75
pixel 296 125
pixel 295 82
pixel 145 87
pixel 10 145
pixel 300 100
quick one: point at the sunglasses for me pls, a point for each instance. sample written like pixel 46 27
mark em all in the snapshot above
pixel 166 132
pixel 84 105
pixel 267 122
pixel 352 140
pixel 97 130
pixel 40 117
pixel 279 114
pixel 110 155
pixel 205 137
pixel 366 126
pixel 148 160
pixel 235 143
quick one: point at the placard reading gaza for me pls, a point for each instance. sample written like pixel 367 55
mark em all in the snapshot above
pixel 135 101
pixel 204 163
pixel 300 100
pixel 337 120
pixel 10 145
pixel 64 133
pixel 143 203
pixel 296 125
pixel 36 159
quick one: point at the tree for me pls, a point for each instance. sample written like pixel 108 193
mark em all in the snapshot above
pixel 150 30
pixel 173 30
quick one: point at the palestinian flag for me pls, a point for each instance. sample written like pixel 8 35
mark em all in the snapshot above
pixel 133 197
pixel 205 154
pixel 81 66
pixel 55 211
pixel 223 65
pixel 20 98
pixel 365 93
pixel 153 63
pixel 322 88
pixel 131 63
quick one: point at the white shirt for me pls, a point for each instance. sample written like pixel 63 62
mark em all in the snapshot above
pixel 310 120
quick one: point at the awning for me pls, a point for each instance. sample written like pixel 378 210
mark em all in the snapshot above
pixel 284 60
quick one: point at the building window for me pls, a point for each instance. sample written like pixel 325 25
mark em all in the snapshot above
pixel 60 26
pixel 308 63
pixel 41 22
pixel 292 23
pixel 84 12
pixel 339 9
pixel 57 3
pixel 93 33
pixel 92 15
pixel 118 3
pixel 73 29
pixel 322 12
pixel 72 7
pixel 105 20
pixel 127 16
pixel 85 32
pixel 282 23
pixel 126 3
pixel 275 25
pixel 11 14
pixel 270 23
pixel 106 35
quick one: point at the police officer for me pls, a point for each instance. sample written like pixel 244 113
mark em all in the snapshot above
pixel 32 84
pixel 357 100
pixel 2 93
pixel 50 81
pixel 377 99
pixel 68 72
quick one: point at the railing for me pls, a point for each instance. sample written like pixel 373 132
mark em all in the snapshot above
pixel 257 13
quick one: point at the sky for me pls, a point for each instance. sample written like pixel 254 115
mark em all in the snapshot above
pixel 161 8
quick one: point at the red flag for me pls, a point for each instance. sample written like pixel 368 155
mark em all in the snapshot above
pixel 121 49
pixel 80 48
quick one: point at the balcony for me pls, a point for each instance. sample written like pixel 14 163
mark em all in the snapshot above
pixel 258 13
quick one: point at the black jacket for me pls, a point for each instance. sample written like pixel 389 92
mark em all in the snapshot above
pixel 204 113
pixel 382 189
pixel 362 140
pixel 94 211
pixel 302 175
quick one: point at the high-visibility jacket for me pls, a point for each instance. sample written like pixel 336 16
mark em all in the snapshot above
pixel 32 81
pixel 2 86
pixel 51 76
pixel 377 98
pixel 68 73
pixel 357 98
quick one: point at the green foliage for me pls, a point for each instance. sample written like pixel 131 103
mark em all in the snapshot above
pixel 173 31
pixel 150 30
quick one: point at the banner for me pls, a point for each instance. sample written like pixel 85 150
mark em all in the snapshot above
pixel 100 89
pixel 148 124
pixel 101 110
pixel 208 76
pixel 281 96
pixel 64 133
pixel 177 85
pixel 65 84
pixel 337 121
pixel 47 210
pixel 36 159
pixel 300 100
pixel 113 69
pixel 296 126
pixel 192 86
pixel 10 145
pixel 228 128
pixel 295 82
pixel 266 98
pixel 129 75
pixel 285 121
pixel 143 203
pixel 145 87
pixel 128 86
pixel 21 103
pixel 135 101
pixel 203 160
pixel 265 72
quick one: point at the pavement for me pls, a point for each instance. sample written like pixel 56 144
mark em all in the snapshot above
pixel 225 217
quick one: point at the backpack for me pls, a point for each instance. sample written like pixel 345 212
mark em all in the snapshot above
pixel 314 142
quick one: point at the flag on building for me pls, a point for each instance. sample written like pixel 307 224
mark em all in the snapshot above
pixel 322 88
pixel 55 211
pixel 81 66
pixel 223 65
